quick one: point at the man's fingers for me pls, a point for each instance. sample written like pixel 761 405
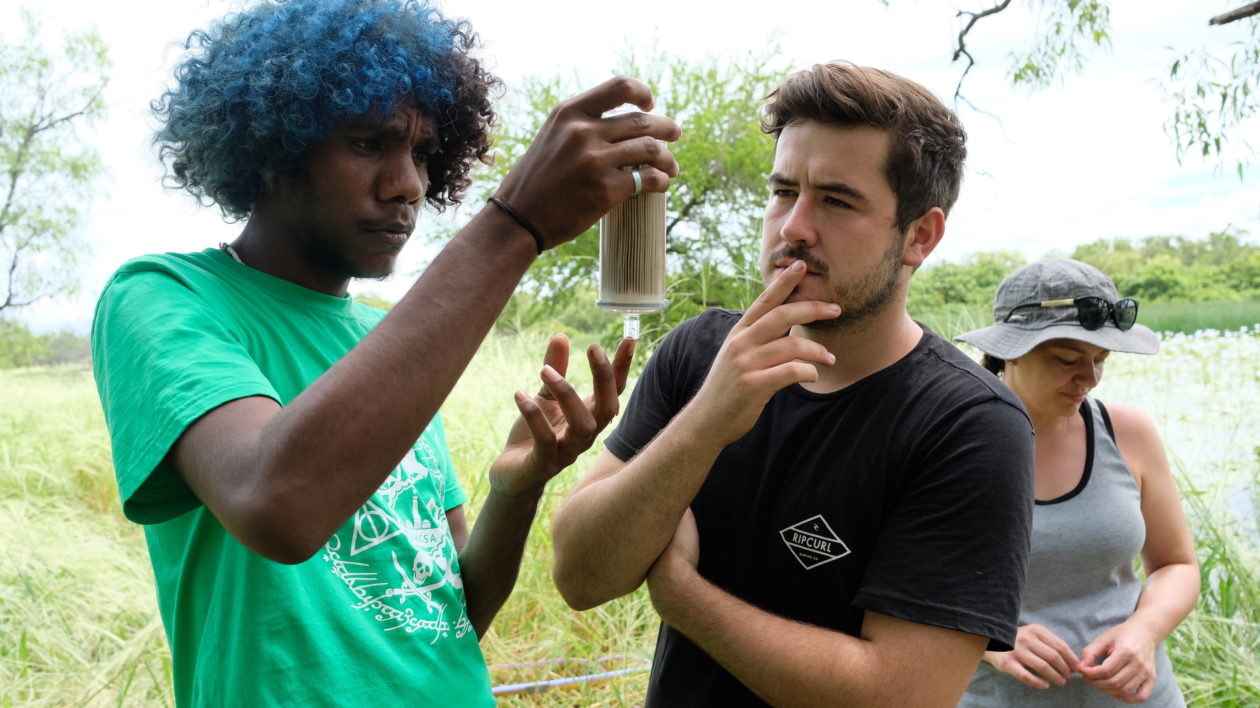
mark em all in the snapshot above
pixel 793 372
pixel 622 359
pixel 612 93
pixel 539 427
pixel 773 324
pixel 579 420
pixel 775 294
pixel 653 158
pixel 557 357
pixel 645 132
pixel 604 401
pixel 790 348
pixel 558 353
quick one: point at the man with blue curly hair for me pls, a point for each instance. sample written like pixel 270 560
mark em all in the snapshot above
pixel 280 442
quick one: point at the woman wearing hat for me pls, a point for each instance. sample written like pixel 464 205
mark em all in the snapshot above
pixel 1091 633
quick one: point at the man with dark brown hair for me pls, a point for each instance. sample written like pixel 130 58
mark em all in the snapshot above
pixel 829 503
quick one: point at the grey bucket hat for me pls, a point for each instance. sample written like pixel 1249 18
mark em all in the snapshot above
pixel 1047 280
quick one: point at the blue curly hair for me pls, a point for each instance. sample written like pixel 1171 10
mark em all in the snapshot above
pixel 261 87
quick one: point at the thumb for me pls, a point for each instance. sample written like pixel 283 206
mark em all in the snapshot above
pixel 1091 654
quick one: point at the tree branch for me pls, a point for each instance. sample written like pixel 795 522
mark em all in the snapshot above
pixel 8 293
pixel 961 51
pixel 682 213
pixel 1236 14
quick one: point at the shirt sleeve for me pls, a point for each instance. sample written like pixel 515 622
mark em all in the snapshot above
pixel 454 495
pixel 664 387
pixel 162 358
pixel 954 550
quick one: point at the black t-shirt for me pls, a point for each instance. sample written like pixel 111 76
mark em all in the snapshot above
pixel 908 493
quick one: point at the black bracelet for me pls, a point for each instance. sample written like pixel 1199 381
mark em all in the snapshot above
pixel 538 240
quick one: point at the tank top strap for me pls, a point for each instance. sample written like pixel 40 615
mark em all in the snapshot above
pixel 1106 419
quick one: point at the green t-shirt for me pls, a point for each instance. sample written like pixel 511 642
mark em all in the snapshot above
pixel 377 616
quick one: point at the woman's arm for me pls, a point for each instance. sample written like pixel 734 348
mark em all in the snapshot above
pixel 1127 671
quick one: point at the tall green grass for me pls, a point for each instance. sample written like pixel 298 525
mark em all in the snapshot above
pixel 78 618
pixel 1216 651
pixel 78 614
pixel 535 625
pixel 1183 317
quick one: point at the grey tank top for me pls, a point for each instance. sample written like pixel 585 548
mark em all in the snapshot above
pixel 1081 580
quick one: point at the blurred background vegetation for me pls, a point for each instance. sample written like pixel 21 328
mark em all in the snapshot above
pixel 1183 285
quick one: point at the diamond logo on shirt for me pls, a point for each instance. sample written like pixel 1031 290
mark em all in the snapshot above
pixel 813 543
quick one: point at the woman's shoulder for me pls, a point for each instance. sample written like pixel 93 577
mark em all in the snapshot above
pixel 1138 440
pixel 1130 422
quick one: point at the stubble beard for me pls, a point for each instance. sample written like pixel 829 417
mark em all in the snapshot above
pixel 861 301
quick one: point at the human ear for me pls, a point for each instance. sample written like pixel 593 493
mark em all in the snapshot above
pixel 923 236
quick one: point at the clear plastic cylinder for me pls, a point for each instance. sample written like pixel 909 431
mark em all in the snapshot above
pixel 632 256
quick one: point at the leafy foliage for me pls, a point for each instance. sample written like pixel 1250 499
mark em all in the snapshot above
pixel 1214 98
pixel 46 170
pixel 969 282
pixel 1068 24
pixel 20 347
pixel 1176 269
pixel 1214 95
pixel 1184 284
pixel 713 219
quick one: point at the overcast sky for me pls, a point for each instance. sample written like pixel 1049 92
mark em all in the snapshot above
pixel 1047 170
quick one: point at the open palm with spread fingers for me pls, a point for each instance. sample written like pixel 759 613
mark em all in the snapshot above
pixel 558 424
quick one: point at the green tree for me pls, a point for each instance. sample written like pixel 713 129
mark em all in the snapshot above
pixel 19 346
pixel 713 216
pixel 46 169
pixel 971 281
pixel 1220 266
pixel 1161 278
pixel 1244 274
pixel 1118 258
pixel 65 347
pixel 1215 95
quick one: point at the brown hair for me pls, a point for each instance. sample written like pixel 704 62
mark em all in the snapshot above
pixel 928 146
pixel 994 364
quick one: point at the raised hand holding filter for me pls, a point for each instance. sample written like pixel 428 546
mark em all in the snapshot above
pixel 632 256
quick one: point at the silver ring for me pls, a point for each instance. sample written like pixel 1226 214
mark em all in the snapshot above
pixel 638 181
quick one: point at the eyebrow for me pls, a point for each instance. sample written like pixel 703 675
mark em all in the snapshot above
pixel 840 188
pixel 393 129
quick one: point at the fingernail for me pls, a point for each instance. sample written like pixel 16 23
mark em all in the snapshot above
pixel 550 374
pixel 834 308
pixel 521 396
pixel 797 266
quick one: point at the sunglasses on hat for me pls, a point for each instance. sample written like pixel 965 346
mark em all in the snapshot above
pixel 1091 312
